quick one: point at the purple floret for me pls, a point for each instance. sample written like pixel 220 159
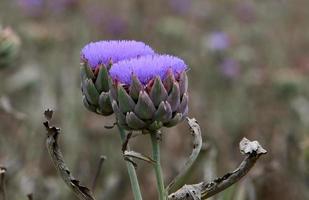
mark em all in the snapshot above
pixel 103 52
pixel 146 68
pixel 218 41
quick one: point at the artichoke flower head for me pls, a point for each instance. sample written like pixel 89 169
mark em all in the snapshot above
pixel 149 92
pixel 96 60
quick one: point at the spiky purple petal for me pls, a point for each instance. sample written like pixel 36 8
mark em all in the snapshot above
pixel 102 52
pixel 146 68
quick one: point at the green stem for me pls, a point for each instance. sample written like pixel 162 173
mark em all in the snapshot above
pixel 157 165
pixel 131 170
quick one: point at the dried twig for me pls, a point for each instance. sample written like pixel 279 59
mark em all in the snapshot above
pixel 30 196
pixel 252 150
pixel 95 180
pixel 137 155
pixel 197 145
pixel 2 183
pixel 110 126
pixel 82 192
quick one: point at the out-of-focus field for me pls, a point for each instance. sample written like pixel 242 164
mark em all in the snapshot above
pixel 249 67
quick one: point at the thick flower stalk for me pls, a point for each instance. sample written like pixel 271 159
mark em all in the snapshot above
pixel 97 59
pixel 149 92
pixel 9 46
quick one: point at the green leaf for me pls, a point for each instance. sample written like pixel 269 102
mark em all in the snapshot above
pixel 169 81
pixel 144 108
pixel 86 72
pixel 88 105
pixel 174 97
pixel 126 104
pixel 121 118
pixel 164 112
pixel 90 92
pixel 183 83
pixel 184 104
pixel 175 120
pixel 134 122
pixel 135 87
pixel 158 92
pixel 102 80
pixel 105 105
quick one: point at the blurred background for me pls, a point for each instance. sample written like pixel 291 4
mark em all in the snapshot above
pixel 249 66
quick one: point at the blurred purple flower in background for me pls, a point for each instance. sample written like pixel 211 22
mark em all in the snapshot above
pixel 36 8
pixel 103 52
pixel 245 11
pixel 180 6
pixel 105 21
pixel 94 14
pixel 218 41
pixel 116 25
pixel 33 8
pixel 59 6
pixel 230 68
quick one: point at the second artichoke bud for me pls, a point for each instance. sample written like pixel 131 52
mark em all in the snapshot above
pixel 97 59
pixel 150 92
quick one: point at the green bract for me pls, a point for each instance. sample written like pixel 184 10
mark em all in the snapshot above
pixel 95 89
pixel 152 106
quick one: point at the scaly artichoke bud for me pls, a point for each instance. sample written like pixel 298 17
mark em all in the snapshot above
pixel 97 59
pixel 9 46
pixel 149 92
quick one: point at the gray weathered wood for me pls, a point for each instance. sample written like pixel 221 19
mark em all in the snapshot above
pixel 252 150
pixel 197 146
pixel 82 192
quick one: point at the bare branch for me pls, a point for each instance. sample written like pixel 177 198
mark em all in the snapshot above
pixel 197 145
pixel 253 150
pixel 2 183
pixel 82 192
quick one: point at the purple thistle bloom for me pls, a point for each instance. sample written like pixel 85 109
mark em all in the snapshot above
pixel 146 68
pixel 218 41
pixel 104 52
pixel 230 68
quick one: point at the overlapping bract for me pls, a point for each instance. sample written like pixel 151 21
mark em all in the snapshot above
pixel 97 59
pixel 152 101
pixel 95 89
pixel 161 103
